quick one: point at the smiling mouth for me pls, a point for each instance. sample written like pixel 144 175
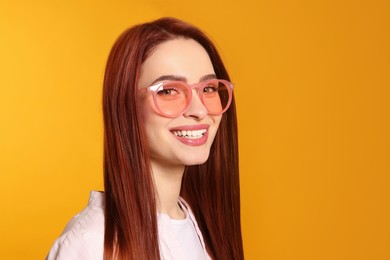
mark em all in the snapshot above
pixel 194 134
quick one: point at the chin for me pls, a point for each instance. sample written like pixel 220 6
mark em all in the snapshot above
pixel 196 160
pixel 195 163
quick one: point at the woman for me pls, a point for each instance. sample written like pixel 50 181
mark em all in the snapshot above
pixel 170 153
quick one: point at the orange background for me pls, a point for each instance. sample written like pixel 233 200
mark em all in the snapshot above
pixel 312 87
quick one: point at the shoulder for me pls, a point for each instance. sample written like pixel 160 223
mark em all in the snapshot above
pixel 83 236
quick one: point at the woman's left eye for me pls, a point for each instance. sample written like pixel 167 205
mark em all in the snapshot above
pixel 210 89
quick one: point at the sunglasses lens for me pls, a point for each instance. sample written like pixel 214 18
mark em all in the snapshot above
pixel 171 98
pixel 216 97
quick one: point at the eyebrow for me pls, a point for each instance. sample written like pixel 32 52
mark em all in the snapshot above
pixel 181 78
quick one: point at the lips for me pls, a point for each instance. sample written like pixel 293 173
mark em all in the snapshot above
pixel 194 135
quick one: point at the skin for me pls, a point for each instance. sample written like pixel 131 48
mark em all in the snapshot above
pixel 186 60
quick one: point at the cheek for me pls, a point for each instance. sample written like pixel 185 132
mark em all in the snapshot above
pixel 147 106
pixel 217 121
pixel 152 121
pixel 149 114
pixel 149 118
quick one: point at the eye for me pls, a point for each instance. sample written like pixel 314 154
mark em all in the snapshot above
pixel 210 89
pixel 168 91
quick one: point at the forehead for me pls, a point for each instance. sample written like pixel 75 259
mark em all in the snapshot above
pixel 178 57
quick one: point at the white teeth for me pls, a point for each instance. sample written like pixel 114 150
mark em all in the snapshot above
pixel 190 134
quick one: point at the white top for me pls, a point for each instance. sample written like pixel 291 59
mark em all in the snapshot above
pixel 188 237
pixel 83 236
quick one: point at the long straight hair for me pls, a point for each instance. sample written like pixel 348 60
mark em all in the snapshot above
pixel 211 189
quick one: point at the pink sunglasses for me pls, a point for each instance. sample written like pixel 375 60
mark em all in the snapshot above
pixel 172 98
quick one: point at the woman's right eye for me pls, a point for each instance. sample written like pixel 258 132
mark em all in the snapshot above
pixel 168 92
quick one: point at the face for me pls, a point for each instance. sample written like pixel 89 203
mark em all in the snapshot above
pixel 186 139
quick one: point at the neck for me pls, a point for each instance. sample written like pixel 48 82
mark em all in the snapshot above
pixel 168 184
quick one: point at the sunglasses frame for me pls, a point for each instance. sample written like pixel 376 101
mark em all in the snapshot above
pixel 197 86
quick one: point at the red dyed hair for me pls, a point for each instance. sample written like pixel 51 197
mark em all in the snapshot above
pixel 211 189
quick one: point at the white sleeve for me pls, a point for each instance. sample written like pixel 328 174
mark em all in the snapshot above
pixel 82 246
pixel 82 239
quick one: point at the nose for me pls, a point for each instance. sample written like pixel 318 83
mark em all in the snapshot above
pixel 196 109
